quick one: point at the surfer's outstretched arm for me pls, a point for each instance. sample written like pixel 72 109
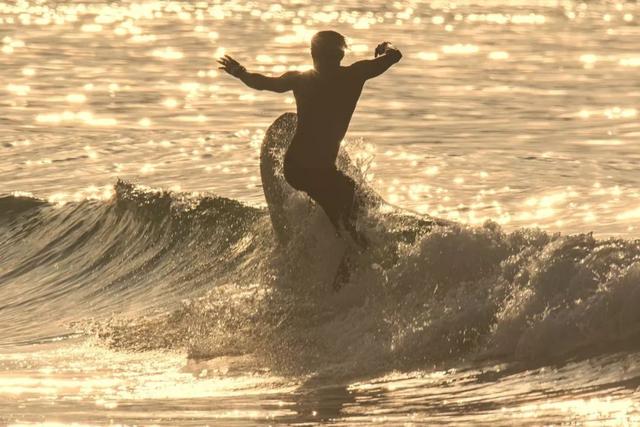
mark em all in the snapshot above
pixel 386 56
pixel 274 84
pixel 256 80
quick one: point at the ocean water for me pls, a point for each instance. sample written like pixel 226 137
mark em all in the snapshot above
pixel 140 279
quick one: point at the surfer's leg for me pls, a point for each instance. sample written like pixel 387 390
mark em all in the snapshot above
pixel 334 191
pixel 336 197
pixel 347 205
pixel 344 208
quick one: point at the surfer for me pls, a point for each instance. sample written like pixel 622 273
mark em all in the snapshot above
pixel 326 97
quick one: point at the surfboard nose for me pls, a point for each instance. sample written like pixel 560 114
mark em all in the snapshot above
pixel 276 189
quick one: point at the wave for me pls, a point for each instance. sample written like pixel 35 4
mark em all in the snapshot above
pixel 163 270
pixel 142 248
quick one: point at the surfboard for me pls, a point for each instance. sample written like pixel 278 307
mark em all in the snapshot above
pixel 275 187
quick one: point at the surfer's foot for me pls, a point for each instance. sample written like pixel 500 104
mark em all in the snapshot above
pixel 342 275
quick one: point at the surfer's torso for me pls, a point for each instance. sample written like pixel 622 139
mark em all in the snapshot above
pixel 325 103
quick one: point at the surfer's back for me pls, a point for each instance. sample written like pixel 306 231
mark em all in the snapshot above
pixel 326 98
pixel 325 102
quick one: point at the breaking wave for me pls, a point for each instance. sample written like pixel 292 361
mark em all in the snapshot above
pixel 153 269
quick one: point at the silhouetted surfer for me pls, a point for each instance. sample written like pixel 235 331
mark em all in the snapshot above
pixel 326 97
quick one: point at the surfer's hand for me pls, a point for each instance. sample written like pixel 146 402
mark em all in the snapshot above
pixel 231 66
pixel 382 48
pixel 388 50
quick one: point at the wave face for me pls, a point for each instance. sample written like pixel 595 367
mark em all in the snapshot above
pixel 141 249
pixel 159 270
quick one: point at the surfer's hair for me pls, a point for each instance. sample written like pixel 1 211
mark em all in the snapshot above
pixel 328 46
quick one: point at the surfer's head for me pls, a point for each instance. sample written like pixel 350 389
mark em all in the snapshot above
pixel 327 48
